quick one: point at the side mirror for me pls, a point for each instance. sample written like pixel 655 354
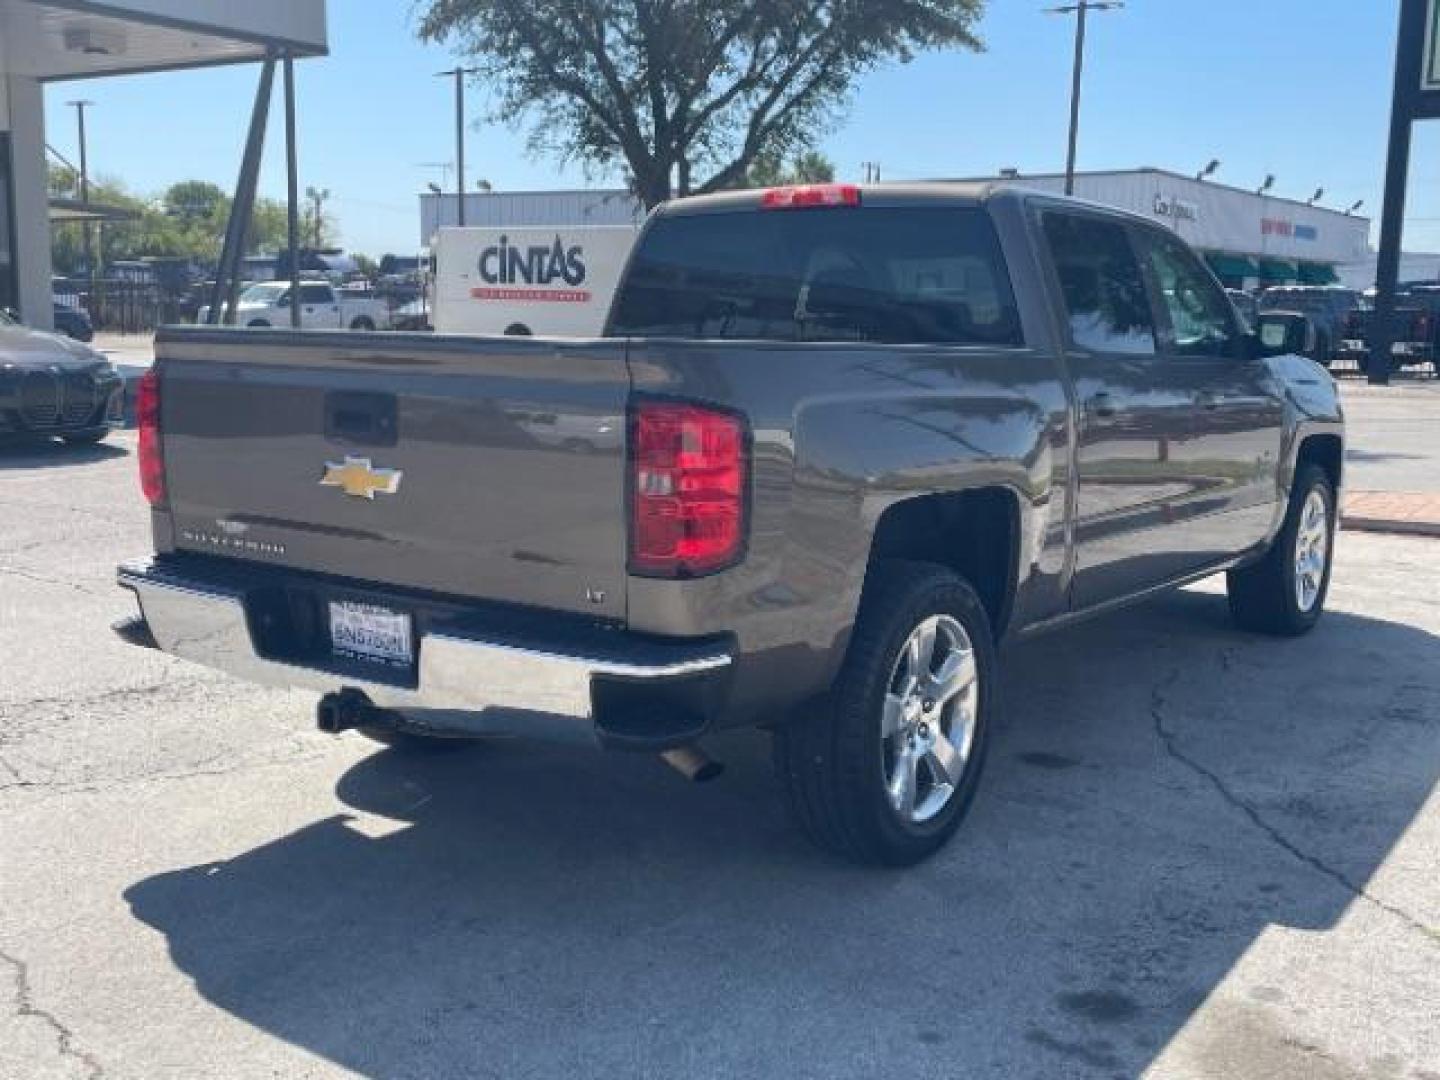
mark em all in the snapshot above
pixel 1285 333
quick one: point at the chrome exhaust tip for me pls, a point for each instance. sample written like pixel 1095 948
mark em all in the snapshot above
pixel 693 764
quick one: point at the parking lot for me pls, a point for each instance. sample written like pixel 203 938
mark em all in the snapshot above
pixel 1196 853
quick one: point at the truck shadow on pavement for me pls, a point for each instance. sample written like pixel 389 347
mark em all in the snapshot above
pixel 54 454
pixel 1163 790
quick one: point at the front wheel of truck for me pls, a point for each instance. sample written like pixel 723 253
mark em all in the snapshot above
pixel 883 769
pixel 1284 593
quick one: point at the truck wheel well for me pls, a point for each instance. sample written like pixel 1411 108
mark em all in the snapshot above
pixel 975 533
pixel 1325 451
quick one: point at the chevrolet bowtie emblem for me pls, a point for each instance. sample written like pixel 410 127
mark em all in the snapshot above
pixel 358 478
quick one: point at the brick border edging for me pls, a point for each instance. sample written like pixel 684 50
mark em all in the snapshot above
pixel 1360 523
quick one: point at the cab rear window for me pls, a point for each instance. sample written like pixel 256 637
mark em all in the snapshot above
pixel 888 275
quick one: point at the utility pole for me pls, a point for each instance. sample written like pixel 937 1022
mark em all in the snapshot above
pixel 292 193
pixel 1080 9
pixel 88 237
pixel 458 74
pixel 318 196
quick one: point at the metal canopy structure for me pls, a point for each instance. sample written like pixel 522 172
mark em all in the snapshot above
pixel 49 41
pixel 65 211
pixel 54 40
pixel 1416 98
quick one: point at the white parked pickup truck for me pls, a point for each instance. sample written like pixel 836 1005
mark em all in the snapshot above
pixel 322 307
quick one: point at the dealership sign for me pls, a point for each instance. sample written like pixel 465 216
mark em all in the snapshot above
pixel 1168 206
pixel 1285 227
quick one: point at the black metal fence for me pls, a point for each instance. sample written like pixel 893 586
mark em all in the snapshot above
pixel 136 307
pixel 127 307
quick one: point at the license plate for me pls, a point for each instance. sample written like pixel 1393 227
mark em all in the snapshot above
pixel 367 632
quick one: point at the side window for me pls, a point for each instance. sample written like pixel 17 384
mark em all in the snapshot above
pixel 1200 316
pixel 1104 289
pixel 316 294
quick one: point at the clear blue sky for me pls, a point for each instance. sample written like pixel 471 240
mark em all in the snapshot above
pixel 1299 88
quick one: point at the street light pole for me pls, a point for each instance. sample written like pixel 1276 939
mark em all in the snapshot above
pixel 1080 10
pixel 458 74
pixel 89 240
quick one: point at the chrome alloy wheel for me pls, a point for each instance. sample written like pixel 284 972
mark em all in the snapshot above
pixel 928 724
pixel 1312 550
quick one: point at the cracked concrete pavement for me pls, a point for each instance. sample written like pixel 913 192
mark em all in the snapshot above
pixel 1196 854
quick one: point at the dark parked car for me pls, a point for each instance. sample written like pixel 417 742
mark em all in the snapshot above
pixel 74 324
pixel 841 442
pixel 1415 329
pixel 1327 306
pixel 52 386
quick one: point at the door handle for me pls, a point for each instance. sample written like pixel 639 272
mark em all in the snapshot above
pixel 1101 405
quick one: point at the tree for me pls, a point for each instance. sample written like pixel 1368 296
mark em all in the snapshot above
pixel 685 94
pixel 195 201
pixel 318 227
pixel 188 221
pixel 810 167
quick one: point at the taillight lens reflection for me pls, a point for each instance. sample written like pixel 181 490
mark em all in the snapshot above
pixel 688 476
pixel 152 458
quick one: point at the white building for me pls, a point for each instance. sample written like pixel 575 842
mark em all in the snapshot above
pixel 44 41
pixel 1250 239
pixel 1414 266
pixel 575 209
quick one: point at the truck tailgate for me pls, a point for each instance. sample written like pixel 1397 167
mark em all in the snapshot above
pixel 488 468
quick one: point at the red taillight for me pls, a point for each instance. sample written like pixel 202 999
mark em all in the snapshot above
pixel 152 458
pixel 803 196
pixel 688 466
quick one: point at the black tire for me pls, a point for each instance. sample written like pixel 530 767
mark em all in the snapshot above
pixel 87 438
pixel 258 324
pixel 364 325
pixel 830 757
pixel 1263 596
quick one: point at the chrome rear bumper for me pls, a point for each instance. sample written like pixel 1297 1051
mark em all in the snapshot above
pixel 499 687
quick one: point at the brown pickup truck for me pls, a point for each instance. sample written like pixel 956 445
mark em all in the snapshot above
pixel 836 445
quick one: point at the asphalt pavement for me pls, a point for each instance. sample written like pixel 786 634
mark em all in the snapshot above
pixel 1196 853
pixel 1395 434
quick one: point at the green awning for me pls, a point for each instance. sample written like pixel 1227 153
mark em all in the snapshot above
pixel 1318 274
pixel 1277 270
pixel 1231 266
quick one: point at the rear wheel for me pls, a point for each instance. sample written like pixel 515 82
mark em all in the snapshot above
pixel 363 324
pixel 884 768
pixel 1284 593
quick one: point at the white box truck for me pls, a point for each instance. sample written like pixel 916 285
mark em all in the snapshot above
pixel 532 281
